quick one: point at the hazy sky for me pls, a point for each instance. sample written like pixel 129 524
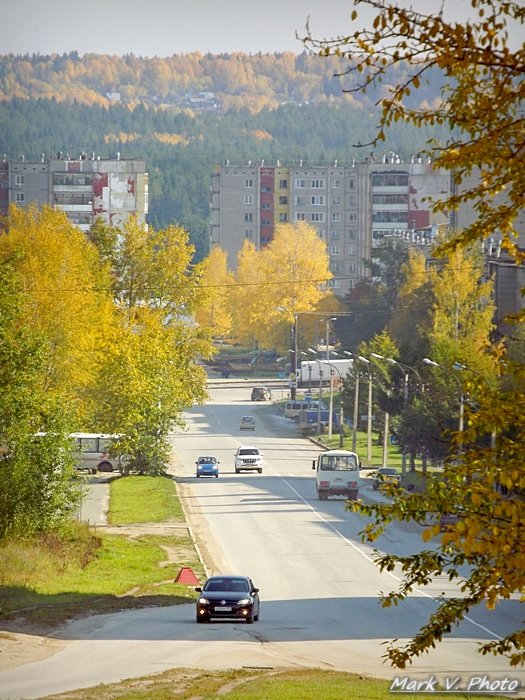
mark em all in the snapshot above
pixel 166 27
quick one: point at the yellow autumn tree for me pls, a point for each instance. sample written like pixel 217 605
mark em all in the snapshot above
pixel 250 286
pixel 286 278
pixel 215 313
pixel 70 298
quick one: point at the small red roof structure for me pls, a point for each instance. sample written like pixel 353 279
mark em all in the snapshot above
pixel 187 576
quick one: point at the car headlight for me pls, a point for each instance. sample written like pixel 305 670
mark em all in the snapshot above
pixel 245 601
pixel 203 601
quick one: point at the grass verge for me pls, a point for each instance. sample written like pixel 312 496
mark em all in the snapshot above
pixel 84 570
pixel 270 684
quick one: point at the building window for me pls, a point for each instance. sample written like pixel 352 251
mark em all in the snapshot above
pixel 317 216
pixel 248 216
pixel 336 183
pixel 398 217
pixel 283 218
pixel 334 284
pixel 351 266
pixel 248 198
pixel 352 216
pixel 300 184
pixel 283 184
pixel 248 182
pixel 20 197
pixel 334 233
pixel 350 234
pixel 390 199
pixel 20 179
pixel 283 200
pixel 334 266
pixel 266 222
pixel 350 250
pixel 248 233
pixel 351 184
pixel 336 216
pixel 318 201
pixel 319 184
pixel 335 250
pixel 336 199
pixel 300 201
pixel 300 216
pixel 266 205
pixel 390 180
pixel 266 188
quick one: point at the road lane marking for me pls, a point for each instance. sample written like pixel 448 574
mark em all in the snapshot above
pixel 369 559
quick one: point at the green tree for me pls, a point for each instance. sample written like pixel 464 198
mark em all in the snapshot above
pixel 482 104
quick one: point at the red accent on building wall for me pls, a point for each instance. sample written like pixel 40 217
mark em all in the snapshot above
pixel 418 218
pixel 266 205
pixel 73 166
pixel 131 185
pixel 100 183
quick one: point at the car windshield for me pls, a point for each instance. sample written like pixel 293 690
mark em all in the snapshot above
pixel 249 451
pixel 227 584
pixel 207 460
pixel 388 471
pixel 247 419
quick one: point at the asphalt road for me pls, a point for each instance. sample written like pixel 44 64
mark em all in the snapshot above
pixel 318 583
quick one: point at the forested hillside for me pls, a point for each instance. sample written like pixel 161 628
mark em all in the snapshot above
pixel 265 107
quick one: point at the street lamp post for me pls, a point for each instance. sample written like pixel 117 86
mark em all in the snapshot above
pixel 431 363
pixel 334 369
pixel 293 373
pixel 356 403
pixel 293 387
pixel 310 371
pixel 327 337
pixel 404 368
pixel 369 413
pixel 331 403
pixel 319 399
pixel 458 366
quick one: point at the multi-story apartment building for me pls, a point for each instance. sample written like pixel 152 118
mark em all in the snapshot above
pixel 509 277
pixel 353 207
pixel 84 188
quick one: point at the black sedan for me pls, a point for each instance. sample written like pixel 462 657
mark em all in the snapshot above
pixel 228 597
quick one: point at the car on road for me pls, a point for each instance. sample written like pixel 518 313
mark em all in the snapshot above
pixel 386 475
pixel 261 393
pixel 228 597
pixel 207 466
pixel 248 458
pixel 247 423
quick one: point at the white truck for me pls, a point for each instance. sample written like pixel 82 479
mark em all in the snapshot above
pixel 337 474
pixel 310 371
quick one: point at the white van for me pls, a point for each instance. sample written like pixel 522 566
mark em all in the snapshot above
pixel 337 474
pixel 292 409
pixel 92 452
